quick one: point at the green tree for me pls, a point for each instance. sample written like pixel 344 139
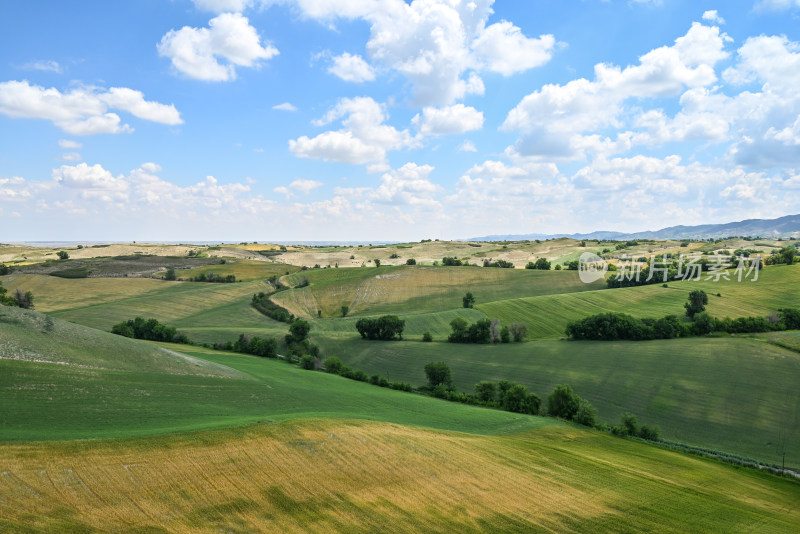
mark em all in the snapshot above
pixel 703 324
pixel 468 300
pixel 630 424
pixel 62 255
pixel 299 330
pixel 540 263
pixel 4 300
pixel 518 331
pixel 334 365
pixel 345 310
pixel 486 391
pixel 586 414
pixel 427 337
pixel 308 362
pixel 505 336
pixel 786 255
pixel 649 432
pixel 377 262
pixel 23 300
pixel 170 274
pixel 697 302
pixel 411 261
pixel 563 402
pixel 438 373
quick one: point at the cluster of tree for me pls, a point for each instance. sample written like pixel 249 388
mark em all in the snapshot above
pixel 541 264
pixel 508 396
pixel 215 278
pixel 619 326
pixel 150 330
pixel 503 264
pixel 463 332
pixel 566 404
pixel 786 255
pixel 258 346
pixel 452 262
pixel 18 298
pixel 629 426
pixel 263 304
pixel 299 346
pixel 385 328
pixel 485 331
pixel 5 269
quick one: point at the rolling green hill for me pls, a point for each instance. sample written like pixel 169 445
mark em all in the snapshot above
pixel 734 394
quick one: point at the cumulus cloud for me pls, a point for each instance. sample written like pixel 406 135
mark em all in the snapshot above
pixel 440 46
pixel 302 185
pixel 467 146
pixel 713 16
pixel 364 137
pixel 502 48
pixel 352 68
pixel 68 143
pixel 554 119
pixel 84 110
pixel 198 52
pixel 448 120
pixel 776 5
pixel 408 185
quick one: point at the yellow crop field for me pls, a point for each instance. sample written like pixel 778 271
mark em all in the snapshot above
pixel 355 476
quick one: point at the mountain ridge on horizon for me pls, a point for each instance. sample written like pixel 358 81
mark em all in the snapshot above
pixel 786 226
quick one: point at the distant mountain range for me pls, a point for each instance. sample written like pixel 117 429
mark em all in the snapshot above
pixel 788 226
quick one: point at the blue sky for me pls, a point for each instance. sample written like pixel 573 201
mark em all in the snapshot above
pixel 280 120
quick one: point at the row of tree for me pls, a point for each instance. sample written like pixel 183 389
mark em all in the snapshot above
pixel 485 331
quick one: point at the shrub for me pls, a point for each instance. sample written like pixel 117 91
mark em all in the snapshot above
pixel 308 362
pixel 411 261
pixel 62 255
pixel 334 365
pixel 586 414
pixel 649 432
pixel 427 337
pixel 386 328
pixel 438 373
pixel 562 402
pixel 518 331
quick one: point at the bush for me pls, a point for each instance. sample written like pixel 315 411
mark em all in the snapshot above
pixel 468 300
pixel 150 330
pixel 62 255
pixel 540 263
pixel 649 432
pixel 427 337
pixel 462 332
pixel 451 262
pixel 586 414
pixel 563 402
pixel 334 365
pixel 486 392
pixel 518 331
pixel 411 261
pixel 308 362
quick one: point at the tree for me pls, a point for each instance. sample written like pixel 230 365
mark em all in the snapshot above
pixel 563 402
pixel 518 331
pixel 5 269
pixel 697 302
pixel 308 362
pixel 540 263
pixel 427 337
pixel 334 365
pixel 486 392
pixel 385 328
pixel 438 373
pixel 586 414
pixel 703 324
pixel 411 261
pixel 505 336
pixel 62 255
pixel 4 300
pixel 468 300
pixel 649 432
pixel 630 425
pixel 494 326
pixel 786 255
pixel 459 327
pixel 299 330
pixel 377 262
pixel 345 310
pixel 170 274
pixel 23 300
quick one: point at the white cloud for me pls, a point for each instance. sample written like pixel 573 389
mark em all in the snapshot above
pixel 713 16
pixel 352 68
pixel 554 118
pixel 81 111
pixel 448 120
pixel 408 185
pixel 83 176
pixel 286 106
pixel 68 143
pixel 47 65
pixel 502 48
pixel 430 42
pixel 302 185
pixel 196 52
pixel 467 146
pixel 363 139
pixel 223 6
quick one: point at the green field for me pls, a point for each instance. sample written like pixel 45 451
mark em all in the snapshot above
pixel 733 394
pixel 547 316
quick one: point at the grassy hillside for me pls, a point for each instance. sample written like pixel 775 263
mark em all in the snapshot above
pixel 547 316
pixel 734 394
pixel 64 381
pixel 348 476
pixel 414 289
